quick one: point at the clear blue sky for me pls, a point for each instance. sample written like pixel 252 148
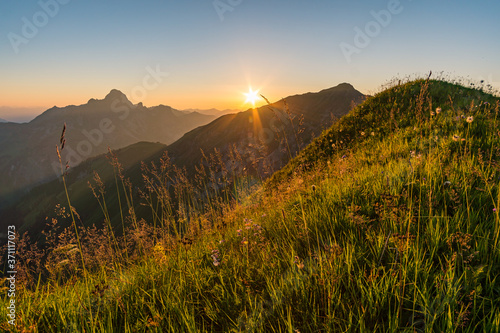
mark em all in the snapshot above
pixel 85 48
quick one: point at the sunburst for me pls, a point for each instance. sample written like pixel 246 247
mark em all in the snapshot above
pixel 252 96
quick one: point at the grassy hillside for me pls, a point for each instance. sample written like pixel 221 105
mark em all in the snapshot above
pixel 387 222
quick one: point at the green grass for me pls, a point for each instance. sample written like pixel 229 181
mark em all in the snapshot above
pixel 392 232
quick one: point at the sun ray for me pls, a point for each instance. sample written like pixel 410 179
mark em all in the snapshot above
pixel 257 124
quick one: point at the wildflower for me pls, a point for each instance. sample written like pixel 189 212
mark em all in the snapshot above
pixel 463 140
pixel 470 119
pixel 447 183
pixel 344 156
pixel 373 133
pixel 362 133
pixel 216 257
pixel 494 210
pixel 298 262
pixel 215 254
pixel 433 113
pixel 238 232
pixel 438 110
pixel 244 241
pixel 456 137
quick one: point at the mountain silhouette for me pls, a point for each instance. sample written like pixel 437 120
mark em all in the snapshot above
pixel 213 112
pixel 281 129
pixel 272 133
pixel 27 151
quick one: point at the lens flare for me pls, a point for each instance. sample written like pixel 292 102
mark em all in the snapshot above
pixel 252 96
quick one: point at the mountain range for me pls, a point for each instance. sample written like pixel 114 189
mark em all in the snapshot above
pixel 270 135
pixel 213 112
pixel 27 151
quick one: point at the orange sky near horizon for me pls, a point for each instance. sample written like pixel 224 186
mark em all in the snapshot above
pixel 15 104
pixel 181 100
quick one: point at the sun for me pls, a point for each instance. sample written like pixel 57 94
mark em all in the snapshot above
pixel 252 96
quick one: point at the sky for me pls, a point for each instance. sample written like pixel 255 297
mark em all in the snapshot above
pixel 208 53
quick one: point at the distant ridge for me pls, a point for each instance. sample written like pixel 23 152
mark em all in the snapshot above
pixel 213 112
pixel 13 114
pixel 27 150
pixel 318 110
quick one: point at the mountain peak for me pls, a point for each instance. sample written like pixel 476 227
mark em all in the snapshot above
pixel 342 86
pixel 115 94
pixel 345 85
